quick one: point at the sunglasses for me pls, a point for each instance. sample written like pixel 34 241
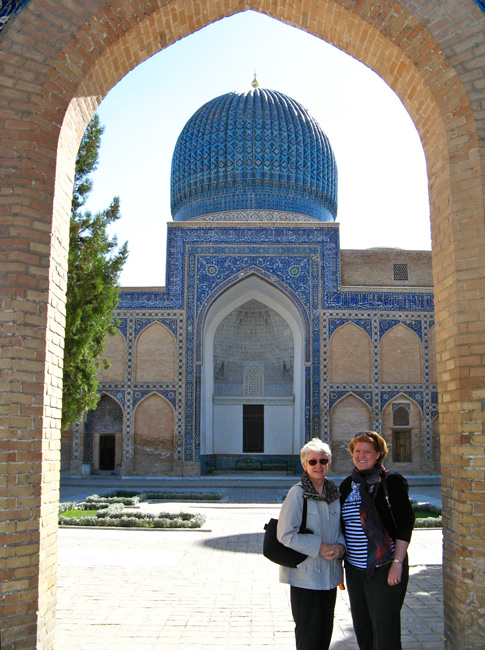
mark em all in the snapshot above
pixel 314 461
pixel 369 434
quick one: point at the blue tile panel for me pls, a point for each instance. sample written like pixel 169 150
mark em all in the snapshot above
pixel 253 150
pixel 9 8
pixel 204 260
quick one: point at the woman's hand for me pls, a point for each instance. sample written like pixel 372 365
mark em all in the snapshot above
pixel 332 551
pixel 395 571
pixel 394 575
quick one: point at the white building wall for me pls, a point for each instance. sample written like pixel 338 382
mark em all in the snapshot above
pixel 228 421
pixel 278 429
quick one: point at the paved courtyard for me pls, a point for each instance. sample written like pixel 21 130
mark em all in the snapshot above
pixel 209 589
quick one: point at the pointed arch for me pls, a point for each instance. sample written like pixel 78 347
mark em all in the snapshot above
pixel 350 352
pixel 347 416
pixel 401 356
pixel 154 437
pixel 155 355
pixel 248 289
pixel 103 428
pixel 405 438
pixel 115 353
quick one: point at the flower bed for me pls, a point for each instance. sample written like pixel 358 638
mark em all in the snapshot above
pixel 110 511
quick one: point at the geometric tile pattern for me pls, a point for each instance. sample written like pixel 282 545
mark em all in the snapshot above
pixel 204 260
pixel 258 150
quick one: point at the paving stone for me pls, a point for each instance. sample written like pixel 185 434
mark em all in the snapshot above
pixel 210 590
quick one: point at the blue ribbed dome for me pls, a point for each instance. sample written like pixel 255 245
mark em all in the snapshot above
pixel 254 150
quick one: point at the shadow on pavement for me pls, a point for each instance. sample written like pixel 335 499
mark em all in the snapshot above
pixel 243 543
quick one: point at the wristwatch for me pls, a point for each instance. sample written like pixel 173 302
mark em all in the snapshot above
pixel 396 560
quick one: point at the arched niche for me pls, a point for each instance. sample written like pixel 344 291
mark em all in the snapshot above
pixel 154 437
pixel 350 353
pixel 103 429
pixel 115 353
pixel 403 429
pixel 401 357
pixel 347 416
pixel 254 288
pixel 155 355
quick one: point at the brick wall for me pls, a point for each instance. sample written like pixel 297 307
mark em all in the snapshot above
pixel 155 355
pixel 154 437
pixel 57 60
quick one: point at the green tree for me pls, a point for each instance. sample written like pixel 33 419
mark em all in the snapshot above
pixel 95 264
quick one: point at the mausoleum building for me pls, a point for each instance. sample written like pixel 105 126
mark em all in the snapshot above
pixel 267 333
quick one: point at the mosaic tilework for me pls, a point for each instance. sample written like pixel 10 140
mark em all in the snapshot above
pixel 169 394
pixel 129 393
pixel 481 4
pixel 377 395
pixel 141 323
pixel 255 215
pixel 253 150
pixel 205 260
pixel 237 277
pixel 335 323
pixel 116 391
pixel 336 395
pixel 380 300
pixel 8 8
pixel 386 325
pixel 402 389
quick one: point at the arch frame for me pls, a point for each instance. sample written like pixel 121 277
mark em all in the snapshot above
pixel 60 60
pixel 252 288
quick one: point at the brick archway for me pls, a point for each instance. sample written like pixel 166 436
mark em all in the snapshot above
pixel 58 60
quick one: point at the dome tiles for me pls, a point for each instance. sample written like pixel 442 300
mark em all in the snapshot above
pixel 253 150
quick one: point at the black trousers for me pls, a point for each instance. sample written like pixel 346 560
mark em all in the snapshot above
pixel 312 611
pixel 376 607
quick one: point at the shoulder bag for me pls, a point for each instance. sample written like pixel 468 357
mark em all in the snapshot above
pixel 277 552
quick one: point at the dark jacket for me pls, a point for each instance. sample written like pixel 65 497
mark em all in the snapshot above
pixel 402 510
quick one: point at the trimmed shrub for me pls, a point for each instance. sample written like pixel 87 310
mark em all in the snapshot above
pixel 163 495
pixel 113 515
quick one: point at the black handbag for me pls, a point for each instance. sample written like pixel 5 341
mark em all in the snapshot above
pixel 277 552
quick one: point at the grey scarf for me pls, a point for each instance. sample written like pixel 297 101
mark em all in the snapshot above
pixel 330 490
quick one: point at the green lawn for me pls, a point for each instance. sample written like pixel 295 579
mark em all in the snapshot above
pixel 77 514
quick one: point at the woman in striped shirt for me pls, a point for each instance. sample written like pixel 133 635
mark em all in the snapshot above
pixel 377 520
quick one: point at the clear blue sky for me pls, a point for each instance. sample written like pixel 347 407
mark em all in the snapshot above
pixel 383 195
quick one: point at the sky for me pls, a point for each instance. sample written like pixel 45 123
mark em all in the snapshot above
pixel 383 193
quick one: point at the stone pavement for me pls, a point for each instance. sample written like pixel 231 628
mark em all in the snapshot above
pixel 210 589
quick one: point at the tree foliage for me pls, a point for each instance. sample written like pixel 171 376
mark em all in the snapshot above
pixel 95 265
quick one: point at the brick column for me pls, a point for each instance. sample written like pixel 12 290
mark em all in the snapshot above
pixel 31 333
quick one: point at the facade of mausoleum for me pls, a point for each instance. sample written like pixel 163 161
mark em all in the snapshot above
pixel 266 333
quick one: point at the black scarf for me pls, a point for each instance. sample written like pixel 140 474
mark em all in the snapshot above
pixel 330 491
pixel 379 544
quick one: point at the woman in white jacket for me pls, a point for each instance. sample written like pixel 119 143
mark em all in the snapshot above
pixel 313 584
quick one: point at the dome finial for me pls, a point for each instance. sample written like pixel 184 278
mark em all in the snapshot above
pixel 255 83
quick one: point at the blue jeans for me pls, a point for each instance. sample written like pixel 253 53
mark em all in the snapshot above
pixel 312 611
pixel 376 607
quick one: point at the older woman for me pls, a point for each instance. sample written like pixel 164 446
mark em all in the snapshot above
pixel 313 584
pixel 378 520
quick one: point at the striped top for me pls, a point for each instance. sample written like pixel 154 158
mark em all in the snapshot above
pixel 355 537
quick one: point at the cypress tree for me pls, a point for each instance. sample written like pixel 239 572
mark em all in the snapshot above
pixel 95 265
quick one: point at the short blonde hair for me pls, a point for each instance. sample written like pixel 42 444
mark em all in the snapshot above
pixel 315 445
pixel 376 440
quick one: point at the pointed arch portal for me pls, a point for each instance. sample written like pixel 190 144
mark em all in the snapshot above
pixel 58 61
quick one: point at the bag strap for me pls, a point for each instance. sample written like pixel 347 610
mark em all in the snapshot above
pixel 386 494
pixel 303 517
